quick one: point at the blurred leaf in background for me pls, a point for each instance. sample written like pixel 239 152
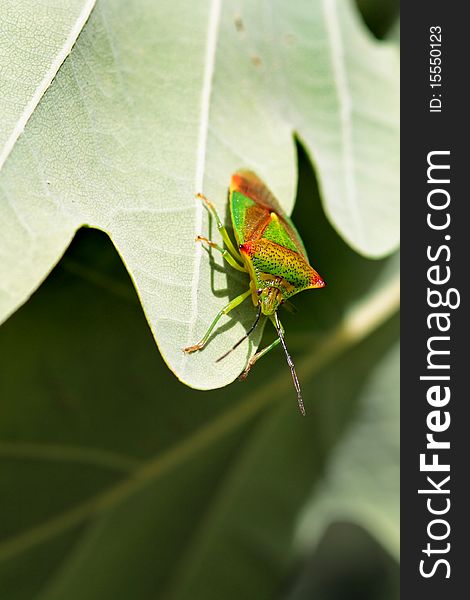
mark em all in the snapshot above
pixel 119 482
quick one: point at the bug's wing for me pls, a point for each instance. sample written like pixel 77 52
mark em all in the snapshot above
pixel 256 213
pixel 250 185
pixel 249 219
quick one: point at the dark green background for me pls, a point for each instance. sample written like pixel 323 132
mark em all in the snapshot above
pixel 119 482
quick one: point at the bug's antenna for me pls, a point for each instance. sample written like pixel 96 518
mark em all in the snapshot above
pixel 248 333
pixel 291 365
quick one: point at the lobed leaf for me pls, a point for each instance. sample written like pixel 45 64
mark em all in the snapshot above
pixel 158 101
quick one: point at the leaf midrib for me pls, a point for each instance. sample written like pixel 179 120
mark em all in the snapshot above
pixel 46 80
pixel 206 92
pixel 345 110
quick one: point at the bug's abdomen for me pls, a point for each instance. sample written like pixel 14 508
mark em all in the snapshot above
pixel 270 261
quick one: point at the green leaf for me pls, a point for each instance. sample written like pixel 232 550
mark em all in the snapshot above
pixel 123 483
pixel 348 563
pixel 34 43
pixel 362 484
pixel 158 101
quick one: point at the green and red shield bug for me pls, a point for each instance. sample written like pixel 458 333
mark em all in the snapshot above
pixel 271 251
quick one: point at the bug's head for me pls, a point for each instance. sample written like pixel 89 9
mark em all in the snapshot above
pixel 270 298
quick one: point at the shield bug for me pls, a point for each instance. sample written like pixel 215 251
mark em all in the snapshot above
pixel 270 250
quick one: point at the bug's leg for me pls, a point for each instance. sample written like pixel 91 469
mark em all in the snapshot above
pixel 225 253
pixel 255 358
pixel 221 227
pixel 247 335
pixel 230 306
